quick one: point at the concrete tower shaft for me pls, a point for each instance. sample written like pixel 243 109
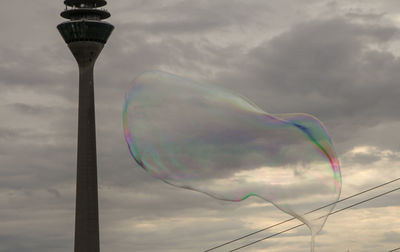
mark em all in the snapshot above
pixel 86 214
pixel 86 52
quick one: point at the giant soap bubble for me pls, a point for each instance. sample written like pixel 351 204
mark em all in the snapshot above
pixel 204 138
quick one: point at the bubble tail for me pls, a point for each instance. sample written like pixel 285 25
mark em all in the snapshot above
pixel 312 241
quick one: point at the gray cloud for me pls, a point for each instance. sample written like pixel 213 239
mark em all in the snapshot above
pixel 325 68
pixel 391 237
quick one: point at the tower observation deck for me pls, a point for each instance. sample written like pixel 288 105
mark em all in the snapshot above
pixel 85 21
pixel 86 33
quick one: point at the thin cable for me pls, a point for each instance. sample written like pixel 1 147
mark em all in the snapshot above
pixel 276 234
pixel 337 211
pixel 312 211
pixel 395 249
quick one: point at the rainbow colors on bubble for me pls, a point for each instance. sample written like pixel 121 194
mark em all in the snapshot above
pixel 204 138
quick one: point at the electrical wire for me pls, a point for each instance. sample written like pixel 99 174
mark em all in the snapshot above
pixel 312 211
pixel 334 212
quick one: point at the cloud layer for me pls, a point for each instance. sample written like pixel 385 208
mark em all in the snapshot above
pixel 337 60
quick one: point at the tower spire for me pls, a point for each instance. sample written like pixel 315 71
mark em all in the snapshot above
pixel 86 33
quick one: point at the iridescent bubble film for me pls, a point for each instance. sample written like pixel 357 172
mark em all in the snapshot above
pixel 204 138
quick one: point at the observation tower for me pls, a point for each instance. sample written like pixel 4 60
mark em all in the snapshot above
pixel 86 33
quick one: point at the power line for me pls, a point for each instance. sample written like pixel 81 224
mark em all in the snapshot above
pixel 395 249
pixel 312 211
pixel 334 212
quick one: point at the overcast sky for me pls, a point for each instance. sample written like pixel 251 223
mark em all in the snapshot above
pixel 337 60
